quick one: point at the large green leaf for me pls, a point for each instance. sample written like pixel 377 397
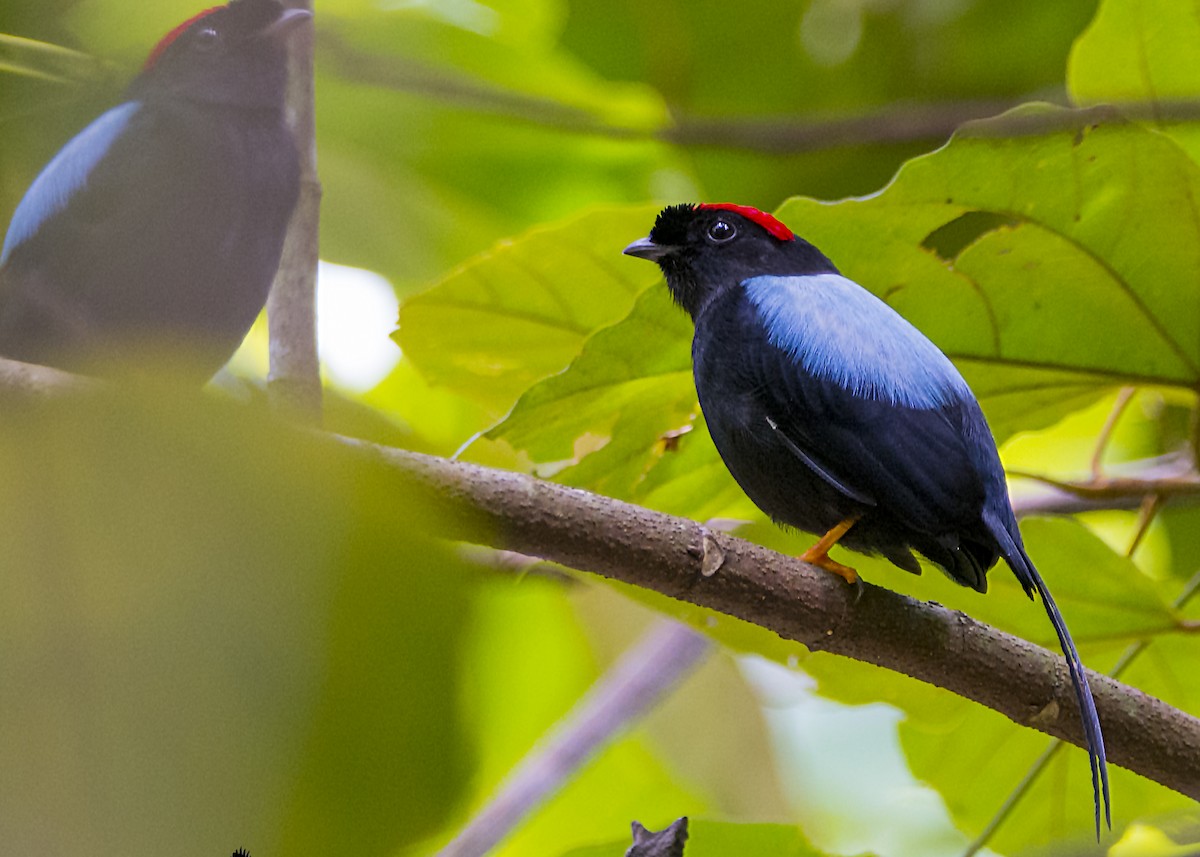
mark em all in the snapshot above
pixel 522 311
pixel 630 385
pixel 1137 50
pixel 1116 258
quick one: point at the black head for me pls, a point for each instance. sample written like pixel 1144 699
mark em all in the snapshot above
pixel 234 55
pixel 703 249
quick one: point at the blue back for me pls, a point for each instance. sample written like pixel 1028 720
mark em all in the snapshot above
pixel 66 173
pixel 838 331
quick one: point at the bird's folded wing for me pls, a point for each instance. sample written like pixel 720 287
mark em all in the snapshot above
pixel 912 462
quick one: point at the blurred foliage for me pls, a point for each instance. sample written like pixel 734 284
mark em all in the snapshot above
pixel 218 634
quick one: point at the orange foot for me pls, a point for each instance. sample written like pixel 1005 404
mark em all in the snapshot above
pixel 820 558
pixel 818 554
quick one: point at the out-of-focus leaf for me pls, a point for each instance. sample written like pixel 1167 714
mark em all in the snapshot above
pixel 724 751
pixel 791 61
pixel 450 138
pixel 217 632
pixel 441 181
pixel 1142 840
pixel 522 311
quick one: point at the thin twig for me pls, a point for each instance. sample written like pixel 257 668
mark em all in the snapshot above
pixel 1124 397
pixel 1108 488
pixel 1151 506
pixel 1127 487
pixel 630 688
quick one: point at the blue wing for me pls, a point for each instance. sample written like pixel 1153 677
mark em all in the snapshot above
pixel 872 406
pixel 838 331
pixel 65 175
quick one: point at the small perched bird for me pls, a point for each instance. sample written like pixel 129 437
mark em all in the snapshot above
pixel 160 225
pixel 837 416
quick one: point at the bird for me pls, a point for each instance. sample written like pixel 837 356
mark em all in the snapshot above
pixel 838 417
pixel 157 230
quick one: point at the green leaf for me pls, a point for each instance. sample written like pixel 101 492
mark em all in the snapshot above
pixel 522 311
pixel 1143 53
pixel 692 481
pixel 631 383
pixel 1137 50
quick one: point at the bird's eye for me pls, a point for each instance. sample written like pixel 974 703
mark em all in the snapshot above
pixel 206 39
pixel 721 231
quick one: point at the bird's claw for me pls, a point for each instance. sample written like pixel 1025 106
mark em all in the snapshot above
pixel 845 572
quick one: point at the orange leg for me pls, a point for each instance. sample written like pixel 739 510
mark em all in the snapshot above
pixel 818 554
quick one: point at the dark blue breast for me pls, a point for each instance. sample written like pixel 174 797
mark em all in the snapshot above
pixel 810 450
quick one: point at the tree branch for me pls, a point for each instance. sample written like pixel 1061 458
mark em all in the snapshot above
pixel 295 376
pixel 686 561
pixel 683 560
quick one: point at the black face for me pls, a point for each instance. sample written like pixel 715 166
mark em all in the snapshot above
pixel 704 250
pixel 235 55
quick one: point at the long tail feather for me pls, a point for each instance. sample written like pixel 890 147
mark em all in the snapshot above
pixel 1014 554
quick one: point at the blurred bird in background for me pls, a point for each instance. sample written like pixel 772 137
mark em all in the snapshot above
pixel 158 229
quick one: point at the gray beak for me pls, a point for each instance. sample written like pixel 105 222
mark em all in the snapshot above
pixel 285 23
pixel 644 248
